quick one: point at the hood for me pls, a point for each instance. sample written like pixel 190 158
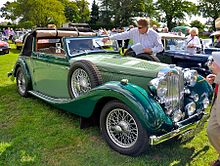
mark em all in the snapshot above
pixel 115 63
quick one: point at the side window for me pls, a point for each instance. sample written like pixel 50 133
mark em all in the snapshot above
pixel 50 46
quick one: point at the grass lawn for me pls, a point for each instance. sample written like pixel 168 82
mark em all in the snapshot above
pixel 35 133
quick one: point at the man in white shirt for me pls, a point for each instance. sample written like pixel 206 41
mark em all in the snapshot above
pixel 193 41
pixel 148 38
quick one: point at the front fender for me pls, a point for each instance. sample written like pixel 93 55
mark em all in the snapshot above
pixel 148 111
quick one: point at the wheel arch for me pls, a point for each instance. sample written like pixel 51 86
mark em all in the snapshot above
pixel 149 112
pixel 98 108
pixel 21 63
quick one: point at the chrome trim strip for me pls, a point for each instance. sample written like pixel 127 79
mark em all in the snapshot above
pixel 154 140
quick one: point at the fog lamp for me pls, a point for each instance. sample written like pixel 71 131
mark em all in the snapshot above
pixel 205 102
pixel 177 115
pixel 190 108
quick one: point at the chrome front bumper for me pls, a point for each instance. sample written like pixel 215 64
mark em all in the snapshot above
pixel 194 129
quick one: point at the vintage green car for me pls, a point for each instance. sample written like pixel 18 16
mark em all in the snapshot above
pixel 135 102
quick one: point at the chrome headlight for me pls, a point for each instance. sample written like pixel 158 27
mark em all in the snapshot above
pixel 160 86
pixel 190 108
pixel 190 77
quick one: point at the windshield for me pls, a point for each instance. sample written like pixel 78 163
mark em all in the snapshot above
pixel 86 45
pixel 174 44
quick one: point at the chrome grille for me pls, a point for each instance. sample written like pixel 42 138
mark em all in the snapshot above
pixel 175 90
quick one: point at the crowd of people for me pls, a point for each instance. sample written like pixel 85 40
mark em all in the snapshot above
pixel 11 34
pixel 150 40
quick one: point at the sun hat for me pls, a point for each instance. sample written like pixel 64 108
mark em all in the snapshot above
pixel 217 27
pixel 216 57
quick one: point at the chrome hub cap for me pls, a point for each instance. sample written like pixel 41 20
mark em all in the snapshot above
pixel 121 128
pixel 80 82
pixel 21 82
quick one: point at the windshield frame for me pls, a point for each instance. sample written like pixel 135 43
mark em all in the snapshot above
pixel 176 47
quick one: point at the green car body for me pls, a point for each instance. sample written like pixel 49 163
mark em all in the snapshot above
pixel 113 80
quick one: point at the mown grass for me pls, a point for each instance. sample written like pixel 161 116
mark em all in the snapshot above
pixel 35 133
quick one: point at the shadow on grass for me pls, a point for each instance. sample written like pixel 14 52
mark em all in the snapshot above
pixel 176 153
pixel 50 122
pixel 14 51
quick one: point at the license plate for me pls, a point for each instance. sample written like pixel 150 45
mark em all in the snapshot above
pixel 191 133
pixel 187 136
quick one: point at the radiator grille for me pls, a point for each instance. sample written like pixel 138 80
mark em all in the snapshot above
pixel 175 91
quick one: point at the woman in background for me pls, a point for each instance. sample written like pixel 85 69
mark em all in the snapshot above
pixel 193 41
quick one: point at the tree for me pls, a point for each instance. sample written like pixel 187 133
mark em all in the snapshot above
pixel 83 7
pixel 198 24
pixel 210 8
pixel 39 12
pixel 175 10
pixel 94 17
pixel 122 12
pixel 72 12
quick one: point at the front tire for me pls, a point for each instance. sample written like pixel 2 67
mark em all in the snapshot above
pixel 122 130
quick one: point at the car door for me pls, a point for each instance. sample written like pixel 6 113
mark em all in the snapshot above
pixel 50 70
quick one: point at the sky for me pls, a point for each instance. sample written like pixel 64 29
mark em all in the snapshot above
pixel 90 1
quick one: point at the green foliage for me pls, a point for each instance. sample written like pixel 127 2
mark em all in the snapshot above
pixel 198 24
pixel 36 12
pixel 26 24
pixel 83 7
pixel 210 8
pixel 120 13
pixel 175 11
pixel 94 17
pixel 71 12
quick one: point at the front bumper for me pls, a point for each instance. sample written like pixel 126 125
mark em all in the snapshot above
pixel 191 129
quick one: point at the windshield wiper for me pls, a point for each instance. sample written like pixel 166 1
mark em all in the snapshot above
pixel 100 46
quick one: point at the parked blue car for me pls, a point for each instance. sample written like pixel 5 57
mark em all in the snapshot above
pixel 175 53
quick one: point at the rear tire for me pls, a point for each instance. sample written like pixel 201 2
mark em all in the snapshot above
pixel 23 85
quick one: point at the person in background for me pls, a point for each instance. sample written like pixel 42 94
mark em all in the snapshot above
pixel 217 42
pixel 192 41
pixel 187 32
pixel 180 33
pixel 148 38
pixel 216 34
pixel 120 42
pixel 165 30
pixel 126 42
pixel 213 129
pixel 155 28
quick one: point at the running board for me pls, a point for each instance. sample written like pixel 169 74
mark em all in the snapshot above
pixel 50 99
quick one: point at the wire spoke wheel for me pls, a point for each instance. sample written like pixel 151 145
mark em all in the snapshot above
pixel 82 77
pixel 122 128
pixel 80 82
pixel 21 82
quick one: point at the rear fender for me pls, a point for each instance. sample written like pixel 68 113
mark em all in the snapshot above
pixel 21 63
